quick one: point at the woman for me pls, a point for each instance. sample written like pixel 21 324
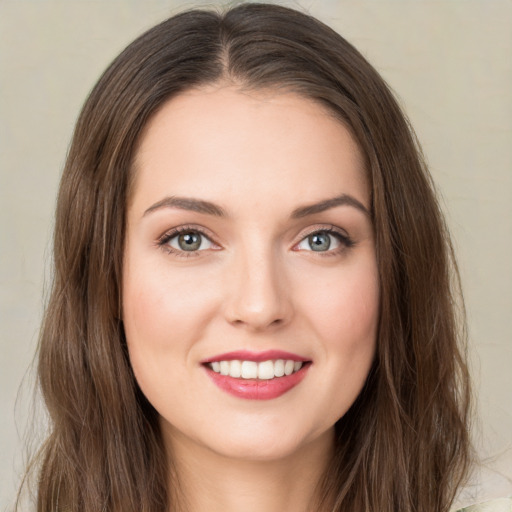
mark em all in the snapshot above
pixel 254 303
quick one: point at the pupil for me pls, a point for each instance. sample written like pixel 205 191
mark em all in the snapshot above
pixel 189 241
pixel 320 242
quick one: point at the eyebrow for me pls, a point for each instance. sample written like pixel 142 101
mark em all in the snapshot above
pixel 342 200
pixel 187 203
pixel 208 208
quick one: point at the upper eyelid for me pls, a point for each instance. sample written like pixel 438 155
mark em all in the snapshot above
pixel 205 231
pixel 329 228
pixel 171 233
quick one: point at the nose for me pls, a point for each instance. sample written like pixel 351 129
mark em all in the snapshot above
pixel 258 296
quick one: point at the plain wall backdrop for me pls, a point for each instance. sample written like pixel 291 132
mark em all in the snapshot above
pixel 450 63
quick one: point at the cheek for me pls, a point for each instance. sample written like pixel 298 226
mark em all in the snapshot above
pixel 344 315
pixel 158 333
pixel 346 308
pixel 165 314
pixel 160 306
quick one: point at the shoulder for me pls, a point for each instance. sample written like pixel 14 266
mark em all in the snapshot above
pixel 499 505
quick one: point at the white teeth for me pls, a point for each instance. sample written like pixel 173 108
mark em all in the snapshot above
pixel 224 367
pixel 279 368
pixel 235 369
pixel 265 370
pixel 249 370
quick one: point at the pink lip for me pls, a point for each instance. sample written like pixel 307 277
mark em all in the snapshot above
pixel 255 389
pixel 246 355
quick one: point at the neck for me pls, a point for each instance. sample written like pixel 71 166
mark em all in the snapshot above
pixel 212 482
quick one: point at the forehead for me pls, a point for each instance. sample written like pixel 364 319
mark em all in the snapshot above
pixel 221 139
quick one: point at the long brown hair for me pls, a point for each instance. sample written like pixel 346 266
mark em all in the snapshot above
pixel 403 445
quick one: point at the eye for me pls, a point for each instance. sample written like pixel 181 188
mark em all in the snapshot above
pixel 186 240
pixel 327 240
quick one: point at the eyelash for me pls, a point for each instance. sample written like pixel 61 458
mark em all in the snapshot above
pixel 163 242
pixel 345 241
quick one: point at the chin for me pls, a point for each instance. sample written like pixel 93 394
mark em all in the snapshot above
pixel 265 443
pixel 264 450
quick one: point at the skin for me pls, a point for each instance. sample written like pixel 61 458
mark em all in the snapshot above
pixel 254 284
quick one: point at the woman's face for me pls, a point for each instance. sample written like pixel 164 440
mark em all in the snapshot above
pixel 250 285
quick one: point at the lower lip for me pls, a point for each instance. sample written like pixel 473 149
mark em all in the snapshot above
pixel 255 389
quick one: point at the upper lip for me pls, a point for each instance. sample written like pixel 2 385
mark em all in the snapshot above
pixel 246 355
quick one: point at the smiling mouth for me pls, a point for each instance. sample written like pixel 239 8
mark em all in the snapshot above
pixel 264 370
pixel 264 379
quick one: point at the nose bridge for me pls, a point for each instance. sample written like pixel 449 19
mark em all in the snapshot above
pixel 258 297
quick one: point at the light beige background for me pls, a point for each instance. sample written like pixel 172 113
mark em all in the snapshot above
pixel 450 63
